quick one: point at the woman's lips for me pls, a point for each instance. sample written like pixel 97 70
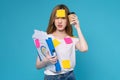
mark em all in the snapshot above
pixel 59 26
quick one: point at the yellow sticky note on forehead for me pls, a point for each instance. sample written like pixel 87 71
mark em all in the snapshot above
pixel 60 13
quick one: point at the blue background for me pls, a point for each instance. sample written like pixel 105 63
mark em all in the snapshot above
pixel 100 24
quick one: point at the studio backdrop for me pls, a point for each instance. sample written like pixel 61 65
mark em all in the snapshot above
pixel 100 24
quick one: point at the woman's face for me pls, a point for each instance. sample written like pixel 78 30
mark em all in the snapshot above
pixel 60 23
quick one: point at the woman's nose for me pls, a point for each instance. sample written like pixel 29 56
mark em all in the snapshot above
pixel 59 20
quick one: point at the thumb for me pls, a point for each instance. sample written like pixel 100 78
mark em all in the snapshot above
pixel 47 54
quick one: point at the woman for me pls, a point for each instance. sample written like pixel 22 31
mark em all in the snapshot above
pixel 60 30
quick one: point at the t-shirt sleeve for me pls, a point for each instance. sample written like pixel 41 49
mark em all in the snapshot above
pixel 75 40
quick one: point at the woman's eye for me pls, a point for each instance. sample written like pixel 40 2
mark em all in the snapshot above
pixel 60 18
pixel 56 17
pixel 63 18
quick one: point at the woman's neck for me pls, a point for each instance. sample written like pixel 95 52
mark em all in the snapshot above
pixel 60 34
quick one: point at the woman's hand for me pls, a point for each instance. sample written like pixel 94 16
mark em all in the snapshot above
pixel 50 59
pixel 47 60
pixel 75 21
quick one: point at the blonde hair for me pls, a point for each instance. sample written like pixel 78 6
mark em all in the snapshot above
pixel 51 26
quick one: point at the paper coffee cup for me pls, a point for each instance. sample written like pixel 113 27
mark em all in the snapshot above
pixel 70 15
